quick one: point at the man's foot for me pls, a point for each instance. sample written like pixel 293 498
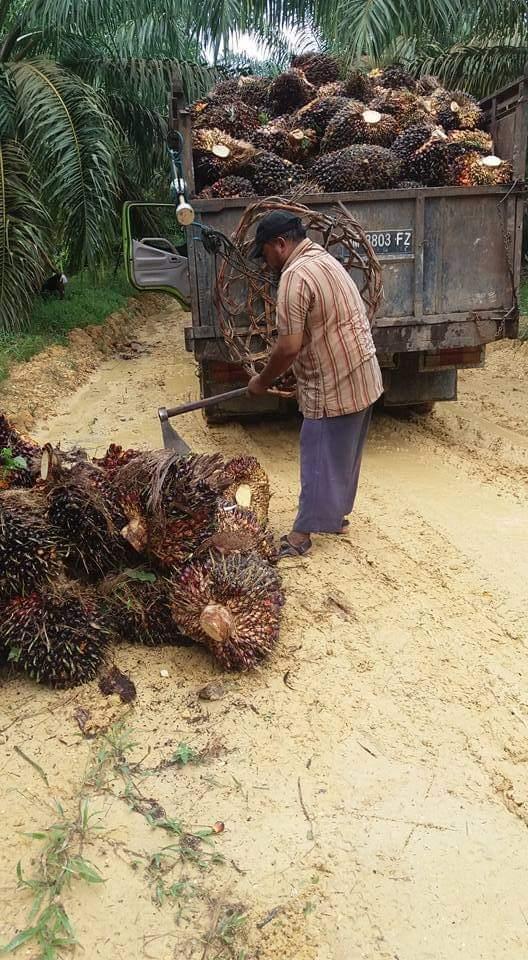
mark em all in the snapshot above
pixel 345 527
pixel 294 545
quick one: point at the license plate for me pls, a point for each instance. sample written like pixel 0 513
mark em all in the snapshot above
pixel 387 242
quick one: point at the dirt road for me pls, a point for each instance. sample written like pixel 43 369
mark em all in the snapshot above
pixel 373 776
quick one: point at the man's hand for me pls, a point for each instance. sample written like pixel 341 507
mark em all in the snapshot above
pixel 255 387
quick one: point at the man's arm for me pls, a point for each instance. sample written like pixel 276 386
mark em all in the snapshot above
pixel 280 360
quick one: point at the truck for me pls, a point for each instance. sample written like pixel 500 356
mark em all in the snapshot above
pixel 451 263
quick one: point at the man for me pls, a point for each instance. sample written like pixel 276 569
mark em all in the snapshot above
pixel 325 336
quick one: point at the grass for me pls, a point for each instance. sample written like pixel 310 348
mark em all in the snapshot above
pixel 87 301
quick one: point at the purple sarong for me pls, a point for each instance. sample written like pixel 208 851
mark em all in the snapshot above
pixel 331 451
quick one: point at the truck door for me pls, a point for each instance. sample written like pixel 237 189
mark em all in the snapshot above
pixel 152 262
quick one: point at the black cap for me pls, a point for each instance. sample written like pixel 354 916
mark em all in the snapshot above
pixel 273 225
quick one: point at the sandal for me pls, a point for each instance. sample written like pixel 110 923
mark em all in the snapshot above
pixel 288 549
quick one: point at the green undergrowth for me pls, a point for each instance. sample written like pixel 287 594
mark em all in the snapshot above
pixel 87 301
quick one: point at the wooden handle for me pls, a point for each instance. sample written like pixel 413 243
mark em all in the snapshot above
pixel 164 414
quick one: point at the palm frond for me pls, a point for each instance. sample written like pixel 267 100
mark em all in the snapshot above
pixel 73 142
pixel 24 228
pixel 478 68
pixel 368 27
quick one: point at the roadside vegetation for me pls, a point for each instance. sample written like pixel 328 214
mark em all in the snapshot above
pixel 87 301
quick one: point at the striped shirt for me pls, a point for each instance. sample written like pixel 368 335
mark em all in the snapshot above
pixel 337 371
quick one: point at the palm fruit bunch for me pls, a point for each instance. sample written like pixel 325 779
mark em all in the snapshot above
pixel 248 486
pixel 317 114
pixel 433 163
pixel 474 170
pixel 86 511
pixel 477 140
pixel 229 187
pixel 177 497
pixel 231 604
pixel 55 635
pixel 411 139
pixel 216 154
pixel 289 91
pixel 358 167
pixel 227 88
pixel 456 110
pixel 29 547
pixel 234 117
pixel 273 139
pixel 270 175
pixel 337 89
pixel 239 530
pixel 360 86
pixel 351 126
pixel 254 91
pixel 137 608
pixel 19 457
pixel 427 85
pixel 318 68
pixel 114 458
pixel 406 107
pixel 223 146
pixel 337 134
pixel 394 78
pixel 207 170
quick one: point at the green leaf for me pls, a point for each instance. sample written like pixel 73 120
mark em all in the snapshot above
pixel 143 576
pixel 33 764
pixel 80 867
pixel 16 942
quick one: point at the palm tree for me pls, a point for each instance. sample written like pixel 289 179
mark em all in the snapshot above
pixel 479 46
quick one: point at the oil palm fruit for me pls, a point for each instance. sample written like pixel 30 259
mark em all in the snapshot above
pixel 412 139
pixel 360 86
pixel 226 88
pixel 207 170
pixel 337 89
pixel 317 114
pixel 234 117
pixel 406 107
pixel 395 78
pixel 474 170
pixel 255 92
pixel 289 91
pixel 176 497
pixel 473 140
pixel 137 609
pixel 427 85
pixel 248 486
pixel 356 168
pixel 270 175
pixel 29 547
pixel 19 463
pixel 86 511
pixel 230 187
pixel 433 163
pixel 56 635
pixel 273 139
pixel 318 68
pixel 456 110
pixel 231 604
pixel 239 530
pixel 115 458
pixel 351 126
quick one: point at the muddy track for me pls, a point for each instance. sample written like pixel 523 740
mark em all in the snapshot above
pixel 373 776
